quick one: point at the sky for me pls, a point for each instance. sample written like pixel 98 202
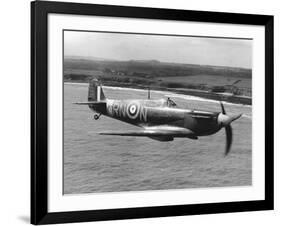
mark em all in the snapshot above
pixel 176 49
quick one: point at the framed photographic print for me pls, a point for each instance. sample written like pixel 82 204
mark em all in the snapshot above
pixel 145 112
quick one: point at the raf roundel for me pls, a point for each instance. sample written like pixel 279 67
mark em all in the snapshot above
pixel 132 110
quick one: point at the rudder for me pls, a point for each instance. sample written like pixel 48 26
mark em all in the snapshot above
pixel 95 92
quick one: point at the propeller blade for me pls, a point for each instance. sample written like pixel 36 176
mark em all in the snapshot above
pixel 228 131
pixel 222 108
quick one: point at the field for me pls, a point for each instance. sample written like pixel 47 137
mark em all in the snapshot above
pixel 160 75
pixel 96 163
pixel 210 80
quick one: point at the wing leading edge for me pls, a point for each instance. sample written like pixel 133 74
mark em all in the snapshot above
pixel 157 131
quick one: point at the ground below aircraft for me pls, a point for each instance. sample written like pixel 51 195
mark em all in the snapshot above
pixel 160 119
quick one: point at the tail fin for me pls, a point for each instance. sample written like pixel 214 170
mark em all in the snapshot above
pixel 95 92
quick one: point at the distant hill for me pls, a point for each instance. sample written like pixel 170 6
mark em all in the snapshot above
pixel 160 75
pixel 153 68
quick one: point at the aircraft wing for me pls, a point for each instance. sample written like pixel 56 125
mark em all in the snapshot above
pixel 155 131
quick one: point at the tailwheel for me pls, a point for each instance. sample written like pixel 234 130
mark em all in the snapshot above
pixel 97 116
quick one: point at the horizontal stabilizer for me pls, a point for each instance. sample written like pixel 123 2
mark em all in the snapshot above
pixel 91 103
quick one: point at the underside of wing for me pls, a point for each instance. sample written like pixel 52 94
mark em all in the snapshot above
pixel 156 131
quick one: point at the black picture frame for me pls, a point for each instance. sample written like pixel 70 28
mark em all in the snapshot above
pixel 39 112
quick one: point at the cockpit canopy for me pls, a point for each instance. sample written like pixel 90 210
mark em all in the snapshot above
pixel 171 103
pixel 159 103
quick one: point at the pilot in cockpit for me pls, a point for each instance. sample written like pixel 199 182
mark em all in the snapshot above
pixel 170 103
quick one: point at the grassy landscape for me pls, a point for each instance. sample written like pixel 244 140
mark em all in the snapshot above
pixel 209 81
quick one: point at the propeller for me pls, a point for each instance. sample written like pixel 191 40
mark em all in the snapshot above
pixel 228 132
pixel 222 108
pixel 225 120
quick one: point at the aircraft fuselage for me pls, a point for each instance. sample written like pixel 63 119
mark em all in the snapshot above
pixel 146 113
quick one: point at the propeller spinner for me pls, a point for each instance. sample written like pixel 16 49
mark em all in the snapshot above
pixel 225 120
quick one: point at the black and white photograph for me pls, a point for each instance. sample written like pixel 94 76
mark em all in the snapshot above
pixel 140 112
pixel 145 112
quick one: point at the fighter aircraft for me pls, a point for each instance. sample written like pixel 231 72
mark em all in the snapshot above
pixel 160 119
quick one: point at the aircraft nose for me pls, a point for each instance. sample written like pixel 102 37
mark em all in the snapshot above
pixel 225 120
